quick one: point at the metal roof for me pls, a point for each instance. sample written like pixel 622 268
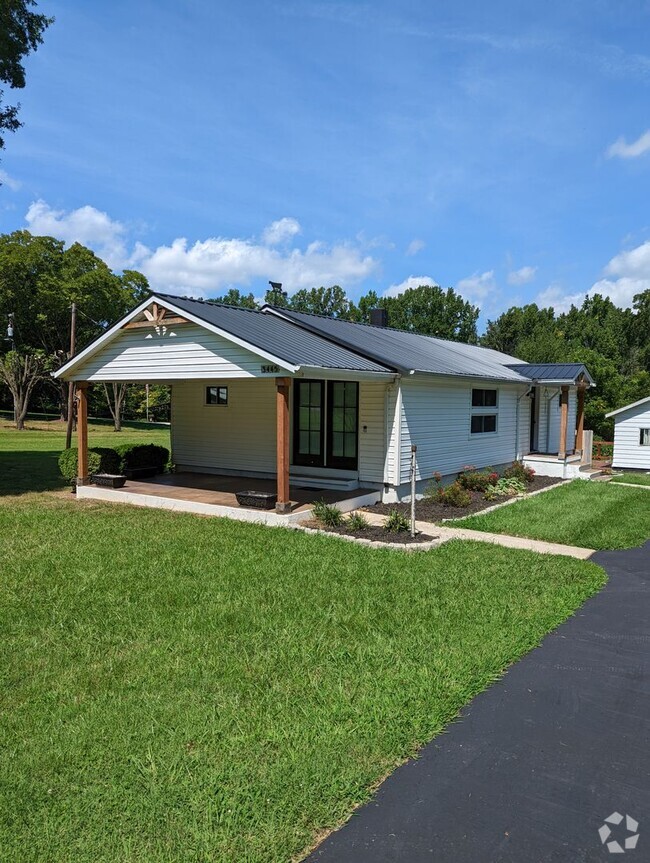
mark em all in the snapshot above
pixel 622 410
pixel 408 352
pixel 276 336
pixel 557 373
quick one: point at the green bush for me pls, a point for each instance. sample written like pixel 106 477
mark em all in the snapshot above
pixel 454 495
pixel 133 456
pixel 327 514
pixel 475 480
pixel 100 460
pixel 397 522
pixel 505 487
pixel 518 470
pixel 357 522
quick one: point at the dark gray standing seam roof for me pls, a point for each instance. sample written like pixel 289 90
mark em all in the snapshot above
pixel 278 337
pixel 407 352
pixel 557 372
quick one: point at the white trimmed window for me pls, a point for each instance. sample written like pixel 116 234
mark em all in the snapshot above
pixel 484 415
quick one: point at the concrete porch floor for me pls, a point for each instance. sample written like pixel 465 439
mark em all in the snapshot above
pixel 214 494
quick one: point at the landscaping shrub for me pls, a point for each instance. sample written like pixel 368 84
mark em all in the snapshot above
pixel 397 522
pixel 505 487
pixel 475 480
pixel 518 470
pixel 133 456
pixel 100 460
pixel 327 514
pixel 454 495
pixel 356 521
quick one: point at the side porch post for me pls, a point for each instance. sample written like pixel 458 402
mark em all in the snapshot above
pixel 564 421
pixel 82 432
pixel 283 386
pixel 580 420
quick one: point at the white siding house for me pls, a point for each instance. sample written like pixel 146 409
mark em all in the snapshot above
pixel 331 404
pixel 632 436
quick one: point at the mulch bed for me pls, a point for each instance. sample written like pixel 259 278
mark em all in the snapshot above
pixel 373 533
pixel 430 510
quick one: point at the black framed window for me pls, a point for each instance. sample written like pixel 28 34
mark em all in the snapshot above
pixel 484 398
pixel 216 395
pixel 644 437
pixel 484 423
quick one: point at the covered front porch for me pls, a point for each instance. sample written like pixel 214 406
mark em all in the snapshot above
pixel 216 495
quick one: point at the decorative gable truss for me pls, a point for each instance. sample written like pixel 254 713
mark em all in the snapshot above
pixel 155 316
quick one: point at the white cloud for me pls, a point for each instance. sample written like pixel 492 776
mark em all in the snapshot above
pixel 208 266
pixel 86 225
pixel 626 275
pixel 411 282
pixel 280 231
pixel 556 297
pixel 478 286
pixel 521 276
pixel 414 247
pixel 633 150
pixel 9 182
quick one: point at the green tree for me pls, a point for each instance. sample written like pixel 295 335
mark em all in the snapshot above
pixel 517 325
pixel 234 297
pixel 431 311
pixel 21 31
pixel 40 279
pixel 331 302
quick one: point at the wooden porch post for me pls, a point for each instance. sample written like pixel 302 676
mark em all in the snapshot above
pixel 580 419
pixel 82 432
pixel 564 421
pixel 283 386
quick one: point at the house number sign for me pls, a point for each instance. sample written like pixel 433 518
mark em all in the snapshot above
pixel 270 370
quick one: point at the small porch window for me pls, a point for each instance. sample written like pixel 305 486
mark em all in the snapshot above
pixel 216 395
pixel 644 437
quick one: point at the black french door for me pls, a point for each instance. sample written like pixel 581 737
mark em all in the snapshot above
pixel 309 423
pixel 342 424
pixel 326 424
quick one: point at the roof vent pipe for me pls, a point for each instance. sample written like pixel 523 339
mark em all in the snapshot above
pixel 379 317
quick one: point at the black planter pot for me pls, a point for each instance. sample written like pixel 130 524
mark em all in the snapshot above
pixel 141 472
pixel 108 480
pixel 257 499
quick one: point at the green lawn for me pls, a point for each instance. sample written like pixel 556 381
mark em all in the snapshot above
pixel 588 514
pixel 182 688
pixel 632 478
pixel 28 459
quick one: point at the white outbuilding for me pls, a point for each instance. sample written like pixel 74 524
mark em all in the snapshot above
pixel 632 436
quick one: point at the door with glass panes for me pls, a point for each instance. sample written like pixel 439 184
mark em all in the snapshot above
pixel 326 421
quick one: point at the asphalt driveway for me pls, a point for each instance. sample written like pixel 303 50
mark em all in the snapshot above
pixel 537 762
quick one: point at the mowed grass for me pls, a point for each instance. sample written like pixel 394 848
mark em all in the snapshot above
pixel 583 513
pixel 29 459
pixel 632 478
pixel 186 689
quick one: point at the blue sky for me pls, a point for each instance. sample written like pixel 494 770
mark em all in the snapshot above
pixel 502 148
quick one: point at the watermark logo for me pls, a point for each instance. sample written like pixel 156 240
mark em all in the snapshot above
pixel 613 844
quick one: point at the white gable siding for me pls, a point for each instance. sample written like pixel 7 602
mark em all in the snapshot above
pixel 183 352
pixel 435 415
pixel 627 449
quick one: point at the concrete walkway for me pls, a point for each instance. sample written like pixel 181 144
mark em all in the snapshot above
pixel 445 533
pixel 537 762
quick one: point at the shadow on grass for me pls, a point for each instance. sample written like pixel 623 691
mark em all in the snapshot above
pixel 29 471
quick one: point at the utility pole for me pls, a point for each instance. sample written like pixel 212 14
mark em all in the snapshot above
pixel 73 334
